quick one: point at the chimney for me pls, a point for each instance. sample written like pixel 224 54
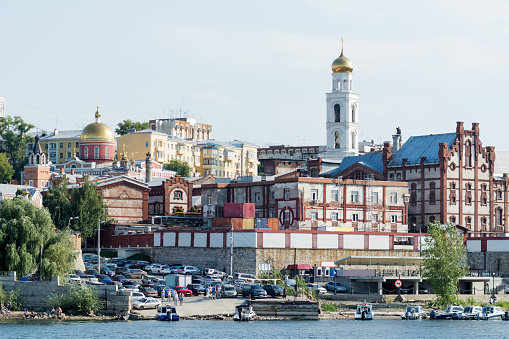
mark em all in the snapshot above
pixel 148 168
pixel 396 140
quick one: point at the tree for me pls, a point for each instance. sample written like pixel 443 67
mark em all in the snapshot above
pixel 128 124
pixel 6 170
pixel 14 137
pixel 81 298
pixel 260 169
pixel 181 167
pixel 59 203
pixel 89 207
pixel 445 261
pixel 25 231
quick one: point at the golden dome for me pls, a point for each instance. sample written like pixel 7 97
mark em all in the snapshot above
pixel 342 64
pixel 97 131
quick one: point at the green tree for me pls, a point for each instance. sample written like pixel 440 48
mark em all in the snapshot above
pixel 80 298
pixel 59 203
pixel 6 170
pixel 260 169
pixel 89 207
pixel 181 167
pixel 25 231
pixel 13 133
pixel 128 124
pixel 445 261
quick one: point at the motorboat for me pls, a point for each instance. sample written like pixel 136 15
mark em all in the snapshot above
pixel 414 313
pixel 491 312
pixel 167 313
pixel 364 312
pixel 471 312
pixel 451 312
pixel 244 313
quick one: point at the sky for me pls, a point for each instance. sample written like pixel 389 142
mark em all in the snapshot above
pixel 258 71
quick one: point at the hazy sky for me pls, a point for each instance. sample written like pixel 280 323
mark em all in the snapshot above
pixel 258 70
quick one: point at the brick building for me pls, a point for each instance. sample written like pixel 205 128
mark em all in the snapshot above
pixel 170 196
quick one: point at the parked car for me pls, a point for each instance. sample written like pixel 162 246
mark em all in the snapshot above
pixel 154 268
pixel 131 284
pixel 92 271
pixel 239 287
pixel 146 303
pixel 247 277
pixel 104 278
pixel 89 278
pixel 149 291
pixel 136 273
pixel 339 287
pixel 140 264
pixel 209 278
pixel 228 291
pixel 182 289
pixel 106 270
pixel 123 270
pixel 315 287
pixel 254 291
pixel 73 278
pixel 147 279
pixel 209 271
pixel 119 277
pixel 188 270
pixel 274 290
pixel 197 289
pixel 137 295
pixel 175 269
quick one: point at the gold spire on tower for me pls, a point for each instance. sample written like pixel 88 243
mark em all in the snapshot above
pixel 342 64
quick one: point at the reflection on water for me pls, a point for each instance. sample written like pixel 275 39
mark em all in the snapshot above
pixel 378 328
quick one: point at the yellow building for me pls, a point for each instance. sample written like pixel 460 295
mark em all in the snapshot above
pixel 228 159
pixel 161 146
pixel 59 145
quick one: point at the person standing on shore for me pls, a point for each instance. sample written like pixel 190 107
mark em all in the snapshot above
pixel 8 306
pixel 175 298
pixel 181 298
pixel 214 292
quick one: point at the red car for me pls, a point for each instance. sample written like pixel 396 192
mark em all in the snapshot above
pixel 181 289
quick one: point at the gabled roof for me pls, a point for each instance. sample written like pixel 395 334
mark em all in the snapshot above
pixel 372 161
pixel 422 146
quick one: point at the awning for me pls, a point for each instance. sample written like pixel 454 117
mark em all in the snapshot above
pixel 300 267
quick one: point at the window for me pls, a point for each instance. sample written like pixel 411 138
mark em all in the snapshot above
pixel 394 219
pixel 30 182
pixel 86 152
pixel 107 153
pixel 68 145
pixel 483 220
pixel 453 186
pixel 61 156
pixel 177 195
pixel 258 196
pixel 43 183
pixel 394 198
pixel 314 195
pixel 334 195
pixel 499 194
pixel 468 220
pixel 498 216
pixel 374 217
pixel 287 194
pixel 146 144
pixel 96 152
pixel 272 196
pixel 354 197
pixel 469 187
pixel 355 217
pixel 374 198
pixel 334 216
pixel 337 113
pixel 483 187
pixel 432 196
pixel 209 200
pixel 61 145
pixel 453 219
pixel 286 215
pixel 314 215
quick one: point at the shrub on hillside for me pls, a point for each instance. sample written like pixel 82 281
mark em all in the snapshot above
pixel 80 298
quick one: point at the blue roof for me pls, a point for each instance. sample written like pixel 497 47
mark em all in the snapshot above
pixel 421 146
pixel 371 160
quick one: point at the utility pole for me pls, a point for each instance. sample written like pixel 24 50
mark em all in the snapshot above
pixel 231 253
pixel 99 245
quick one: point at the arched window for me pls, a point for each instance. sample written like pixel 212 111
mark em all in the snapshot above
pixel 86 153
pixel 337 141
pixel 107 153
pixel 353 140
pixel 353 113
pixel 337 113
pixel 96 152
pixel 498 216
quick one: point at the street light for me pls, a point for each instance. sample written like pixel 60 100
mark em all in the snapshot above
pixel 71 218
pixel 493 287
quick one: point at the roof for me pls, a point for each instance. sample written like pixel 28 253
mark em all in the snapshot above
pixel 501 163
pixel 372 161
pixel 71 134
pixel 421 146
pixel 368 260
pixel 12 189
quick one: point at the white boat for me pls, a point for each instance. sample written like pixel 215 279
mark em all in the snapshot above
pixel 167 313
pixel 244 313
pixel 414 313
pixel 364 312
pixel 471 312
pixel 451 312
pixel 491 312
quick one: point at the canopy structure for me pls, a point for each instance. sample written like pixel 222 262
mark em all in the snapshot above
pixel 370 260
pixel 300 267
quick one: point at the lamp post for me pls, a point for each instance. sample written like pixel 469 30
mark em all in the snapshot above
pixel 71 218
pixel 99 245
pixel 493 286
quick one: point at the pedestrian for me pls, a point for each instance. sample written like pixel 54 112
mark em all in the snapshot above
pixel 175 298
pixel 284 293
pixel 494 300
pixel 218 292
pixel 32 315
pixel 214 292
pixel 9 306
pixel 25 316
pixel 52 311
pixel 491 300
pixel 59 311
pixel 181 298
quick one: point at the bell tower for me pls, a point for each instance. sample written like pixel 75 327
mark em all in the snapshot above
pixel 342 112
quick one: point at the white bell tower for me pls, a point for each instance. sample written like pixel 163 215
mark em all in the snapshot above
pixel 342 112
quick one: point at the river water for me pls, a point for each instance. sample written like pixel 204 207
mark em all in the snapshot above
pixel 378 328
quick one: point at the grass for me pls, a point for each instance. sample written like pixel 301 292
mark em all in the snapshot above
pixel 329 308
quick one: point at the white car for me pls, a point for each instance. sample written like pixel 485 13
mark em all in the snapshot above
pixel 319 289
pixel 73 278
pixel 146 303
pixel 137 296
pixel 189 270
pixel 154 268
pixel 90 279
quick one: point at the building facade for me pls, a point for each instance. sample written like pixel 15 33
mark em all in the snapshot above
pixel 228 159
pixel 170 196
pixel 182 128
pixel 97 142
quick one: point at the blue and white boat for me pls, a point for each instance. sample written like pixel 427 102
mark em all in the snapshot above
pixel 491 312
pixel 167 313
pixel 451 312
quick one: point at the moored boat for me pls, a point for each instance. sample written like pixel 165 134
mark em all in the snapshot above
pixel 364 312
pixel 491 313
pixel 244 313
pixel 167 313
pixel 414 313
pixel 471 312
pixel 451 312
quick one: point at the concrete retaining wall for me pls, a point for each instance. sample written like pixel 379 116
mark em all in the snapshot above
pixel 34 294
pixel 301 310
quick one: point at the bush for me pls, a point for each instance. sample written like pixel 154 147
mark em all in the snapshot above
pixel 329 308
pixel 13 297
pixel 81 298
pixel 139 256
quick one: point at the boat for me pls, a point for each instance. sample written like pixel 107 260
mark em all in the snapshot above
pixel 451 312
pixel 244 313
pixel 414 313
pixel 471 312
pixel 491 312
pixel 167 313
pixel 363 312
